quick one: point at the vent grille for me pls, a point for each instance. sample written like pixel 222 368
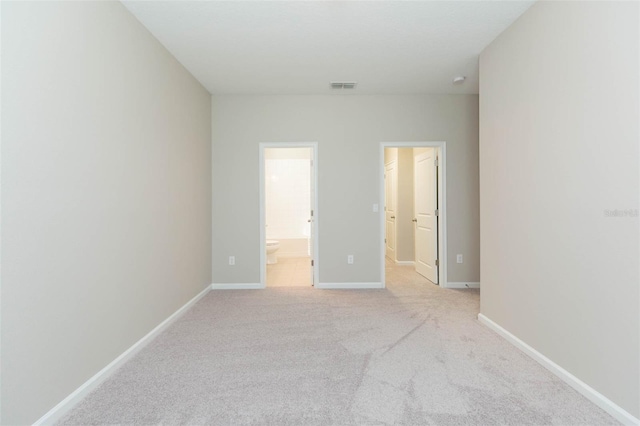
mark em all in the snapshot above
pixel 339 85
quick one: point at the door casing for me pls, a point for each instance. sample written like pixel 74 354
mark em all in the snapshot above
pixel 441 149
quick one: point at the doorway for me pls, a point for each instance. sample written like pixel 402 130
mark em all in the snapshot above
pixel 413 217
pixel 288 214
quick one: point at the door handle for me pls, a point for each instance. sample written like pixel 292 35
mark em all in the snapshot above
pixel 414 220
pixel 393 217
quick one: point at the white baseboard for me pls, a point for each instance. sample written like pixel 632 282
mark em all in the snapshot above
pixel 462 284
pixel 344 286
pixel 236 286
pixel 405 262
pixel 57 412
pixel 591 394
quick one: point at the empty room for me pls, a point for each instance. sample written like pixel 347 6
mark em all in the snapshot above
pixel 320 212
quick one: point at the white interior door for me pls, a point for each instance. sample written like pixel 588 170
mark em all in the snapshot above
pixel 390 209
pixel 312 217
pixel 425 218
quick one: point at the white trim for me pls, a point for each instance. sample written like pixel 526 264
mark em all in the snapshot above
pixel 62 408
pixel 463 284
pixel 345 286
pixel 261 183
pixel 590 393
pixel 442 205
pixel 404 262
pixel 237 286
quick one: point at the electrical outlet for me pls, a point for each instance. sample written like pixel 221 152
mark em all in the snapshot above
pixel 375 208
pixel 459 258
pixel 350 259
pixel 232 260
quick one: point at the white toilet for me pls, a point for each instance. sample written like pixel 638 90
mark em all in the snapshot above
pixel 272 248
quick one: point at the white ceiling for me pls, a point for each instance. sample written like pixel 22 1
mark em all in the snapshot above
pixel 298 47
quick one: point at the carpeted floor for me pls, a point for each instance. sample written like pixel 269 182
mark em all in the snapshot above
pixel 411 354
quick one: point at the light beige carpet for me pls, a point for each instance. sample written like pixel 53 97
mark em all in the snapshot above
pixel 411 354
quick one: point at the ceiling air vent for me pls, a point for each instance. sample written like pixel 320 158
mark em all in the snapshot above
pixel 338 85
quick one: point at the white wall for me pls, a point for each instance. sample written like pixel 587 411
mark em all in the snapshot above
pixel 106 194
pixel 287 193
pixel 348 130
pixel 559 138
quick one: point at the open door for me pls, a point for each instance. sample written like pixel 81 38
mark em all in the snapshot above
pixel 426 214
pixel 390 185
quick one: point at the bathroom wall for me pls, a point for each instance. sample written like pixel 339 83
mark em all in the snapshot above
pixel 287 199
pixel 348 130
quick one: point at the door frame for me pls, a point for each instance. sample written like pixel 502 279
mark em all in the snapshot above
pixel 441 148
pixel 263 219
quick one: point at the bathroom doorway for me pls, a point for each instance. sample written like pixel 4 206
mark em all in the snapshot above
pixel 288 214
pixel 413 216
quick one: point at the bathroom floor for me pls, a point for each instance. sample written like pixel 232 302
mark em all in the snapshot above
pixel 290 272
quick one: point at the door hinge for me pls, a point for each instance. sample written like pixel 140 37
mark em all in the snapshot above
pixel 385 240
pixel 311 213
pixel 437 212
pixel 311 262
pixel 437 262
